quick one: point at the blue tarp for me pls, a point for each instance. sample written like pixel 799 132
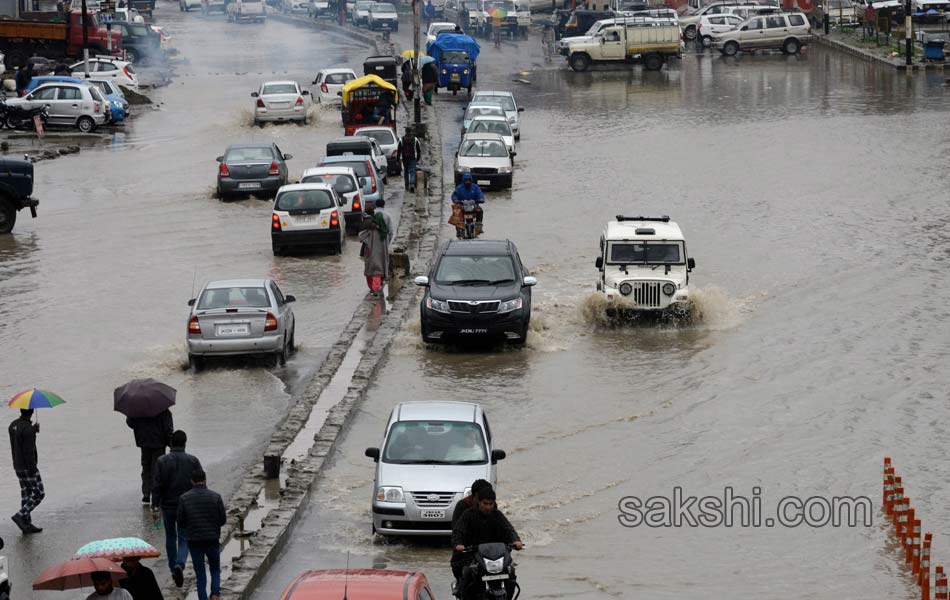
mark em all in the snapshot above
pixel 454 41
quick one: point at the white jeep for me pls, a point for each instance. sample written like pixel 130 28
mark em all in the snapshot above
pixel 644 267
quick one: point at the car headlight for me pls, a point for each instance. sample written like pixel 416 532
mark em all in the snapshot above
pixel 504 169
pixel 509 305
pixel 626 289
pixel 445 71
pixel 437 305
pixel 511 120
pixel 389 494
pixel 494 566
pixel 465 169
pixel 669 289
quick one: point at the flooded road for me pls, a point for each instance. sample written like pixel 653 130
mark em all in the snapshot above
pixel 94 291
pixel 812 193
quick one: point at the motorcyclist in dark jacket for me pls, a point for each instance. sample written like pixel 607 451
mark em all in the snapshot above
pixel 482 525
pixel 469 190
pixel 461 507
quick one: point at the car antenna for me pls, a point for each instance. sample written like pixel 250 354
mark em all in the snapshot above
pixel 346 575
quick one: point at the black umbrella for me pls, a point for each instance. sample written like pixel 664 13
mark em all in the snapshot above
pixel 144 398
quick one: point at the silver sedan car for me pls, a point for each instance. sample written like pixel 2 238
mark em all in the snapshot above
pixel 240 317
pixel 388 143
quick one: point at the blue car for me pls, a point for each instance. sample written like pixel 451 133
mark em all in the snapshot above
pixel 118 105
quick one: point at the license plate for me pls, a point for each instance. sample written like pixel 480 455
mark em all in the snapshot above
pixel 494 577
pixel 385 25
pixel 483 182
pixel 433 514
pixel 251 185
pixel 305 218
pixel 473 331
pixel 232 330
pixel 455 75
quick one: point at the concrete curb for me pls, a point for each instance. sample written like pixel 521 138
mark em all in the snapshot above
pixel 871 57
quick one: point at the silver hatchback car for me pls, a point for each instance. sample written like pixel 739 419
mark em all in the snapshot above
pixel 240 317
pixel 431 454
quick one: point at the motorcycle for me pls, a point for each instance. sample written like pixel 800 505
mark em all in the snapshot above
pixel 493 572
pixel 465 219
pixel 15 117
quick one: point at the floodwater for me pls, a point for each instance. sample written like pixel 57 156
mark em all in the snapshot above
pixel 94 291
pixel 812 192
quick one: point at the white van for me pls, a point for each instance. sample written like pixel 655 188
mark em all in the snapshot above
pixel 246 10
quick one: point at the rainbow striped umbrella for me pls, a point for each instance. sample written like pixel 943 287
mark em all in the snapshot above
pixel 35 398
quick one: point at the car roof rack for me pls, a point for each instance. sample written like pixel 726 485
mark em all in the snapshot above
pixel 663 219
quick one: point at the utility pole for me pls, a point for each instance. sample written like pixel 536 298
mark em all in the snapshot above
pixel 417 69
pixel 85 30
pixel 908 41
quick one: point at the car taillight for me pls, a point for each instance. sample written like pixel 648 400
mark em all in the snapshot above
pixel 275 222
pixel 324 88
pixel 372 175
pixel 393 155
pixel 125 70
pixel 299 100
pixel 274 169
pixel 270 323
pixel 260 103
pixel 700 26
pixel 356 202
pixel 223 170
pixel 193 325
pixel 334 220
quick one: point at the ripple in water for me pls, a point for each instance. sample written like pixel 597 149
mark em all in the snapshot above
pixel 712 309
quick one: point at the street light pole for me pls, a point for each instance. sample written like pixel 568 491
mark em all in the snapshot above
pixel 908 42
pixel 416 75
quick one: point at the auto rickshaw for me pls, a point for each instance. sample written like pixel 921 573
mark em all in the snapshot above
pixel 384 67
pixel 455 56
pixel 362 99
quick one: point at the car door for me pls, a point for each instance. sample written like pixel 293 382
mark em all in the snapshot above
pixel 776 29
pixel 612 44
pixel 491 445
pixel 281 163
pixel 43 96
pixel 69 101
pixel 286 315
pixel 753 33
pixel 106 69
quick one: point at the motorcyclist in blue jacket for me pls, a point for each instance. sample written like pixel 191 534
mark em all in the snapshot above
pixel 469 190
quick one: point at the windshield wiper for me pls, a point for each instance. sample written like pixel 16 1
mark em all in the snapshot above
pixel 497 281
pixel 469 462
pixel 426 462
pixel 470 282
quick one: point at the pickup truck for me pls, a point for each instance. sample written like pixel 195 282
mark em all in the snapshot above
pixel 246 10
pixel 649 43
pixel 54 35
pixel 16 188
pixel 517 17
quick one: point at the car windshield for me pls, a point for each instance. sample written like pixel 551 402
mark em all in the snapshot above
pixel 247 154
pixel 645 252
pixel 840 4
pixel 383 137
pixel 357 165
pixel 338 78
pixel 437 29
pixel 304 200
pixel 484 148
pixel 454 56
pixel 343 184
pixel 435 443
pixel 279 88
pixel 492 110
pixel 233 297
pixel 505 101
pixel 363 5
pixel 490 126
pixel 475 270
pixel 383 8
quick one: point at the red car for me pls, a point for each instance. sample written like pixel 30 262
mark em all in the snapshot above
pixel 361 584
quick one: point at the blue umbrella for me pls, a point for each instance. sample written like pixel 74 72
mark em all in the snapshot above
pixel 426 60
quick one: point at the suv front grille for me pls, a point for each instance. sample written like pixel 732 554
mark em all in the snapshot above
pixel 433 499
pixel 473 308
pixel 484 171
pixel 646 293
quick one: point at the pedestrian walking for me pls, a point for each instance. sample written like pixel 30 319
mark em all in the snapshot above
pixel 408 80
pixel 104 590
pixel 23 433
pixel 429 78
pixel 23 78
pixel 409 150
pixel 496 30
pixel 375 252
pixel 429 13
pixel 152 435
pixel 201 515
pixel 140 583
pixel 380 213
pixel 547 42
pixel 172 478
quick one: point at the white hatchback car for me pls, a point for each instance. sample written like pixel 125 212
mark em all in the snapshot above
pixel 487 158
pixel 497 125
pixel 435 29
pixel 346 183
pixel 106 67
pixel 76 105
pixel 388 143
pixel 507 101
pixel 330 83
pixel 281 101
pixel 307 215
pixel 713 25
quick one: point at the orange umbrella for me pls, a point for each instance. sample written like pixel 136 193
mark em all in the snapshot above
pixel 76 573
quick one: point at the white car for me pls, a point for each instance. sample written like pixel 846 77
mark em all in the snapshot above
pixel 361 12
pixel 106 67
pixel 507 102
pixel 330 83
pixel 307 214
pixel 435 29
pixel 346 183
pixel 70 104
pixel 382 16
pixel 293 6
pixel 129 15
pixel 486 157
pixel 187 5
pixel 497 125
pixel 246 10
pixel 710 26
pixel 388 143
pixel 281 101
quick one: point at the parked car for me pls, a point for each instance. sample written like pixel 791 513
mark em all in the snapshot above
pixel 187 5
pixel 76 105
pixel 104 67
pixel 378 584
pixel 139 41
pixel 307 215
pixel 118 105
pixel 708 26
pixel 386 139
pixel 330 84
pixel 474 110
pixel 382 16
pixel 507 101
pixel 16 191
pixel 357 145
pixel 493 124
pixel 240 317
pixel 346 183
pixel 251 169
pixel 281 101
pixel 372 184
pixel 842 12
pixel 431 453
pixel 788 32
pixel 361 12
pixel 689 23
pixel 295 6
pixel 246 10
pixel 486 157
pixel 128 14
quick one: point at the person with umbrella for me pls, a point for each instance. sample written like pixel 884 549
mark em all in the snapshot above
pixel 145 404
pixel 25 457
pixel 105 590
pixel 140 583
pixel 137 579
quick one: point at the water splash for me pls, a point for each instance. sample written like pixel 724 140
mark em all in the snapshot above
pixel 712 308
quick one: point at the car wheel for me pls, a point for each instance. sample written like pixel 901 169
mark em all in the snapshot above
pixel 524 335
pixel 791 46
pixel 707 41
pixel 338 248
pixel 280 359
pixel 690 32
pixel 731 48
pixel 292 347
pixel 7 216
pixel 653 62
pixel 85 124
pixel 580 62
pixel 277 250
pixel 195 362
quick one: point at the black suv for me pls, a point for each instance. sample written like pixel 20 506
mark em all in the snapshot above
pixel 477 289
pixel 16 188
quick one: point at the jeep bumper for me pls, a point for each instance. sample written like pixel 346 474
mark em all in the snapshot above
pixel 30 203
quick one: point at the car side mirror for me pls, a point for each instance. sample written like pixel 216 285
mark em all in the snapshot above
pixel 289 298
pixel 530 281
pixel 306 93
pixel 365 181
pixel 690 264
pixel 220 159
pixel 254 94
pixel 373 453
pixel 497 455
pixel 192 302
pixel 421 281
pixel 744 28
pixel 288 156
pixel 599 263
pixel 520 109
pixel 514 154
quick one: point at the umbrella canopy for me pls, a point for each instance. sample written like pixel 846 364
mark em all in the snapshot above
pixel 35 398
pixel 497 12
pixel 76 573
pixel 143 398
pixel 409 54
pixel 117 549
pixel 426 59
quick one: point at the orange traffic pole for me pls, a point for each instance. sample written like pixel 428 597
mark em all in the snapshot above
pixel 909 536
pixel 900 516
pixel 923 579
pixel 941 589
pixel 888 490
pixel 887 465
pixel 898 506
pixel 915 549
